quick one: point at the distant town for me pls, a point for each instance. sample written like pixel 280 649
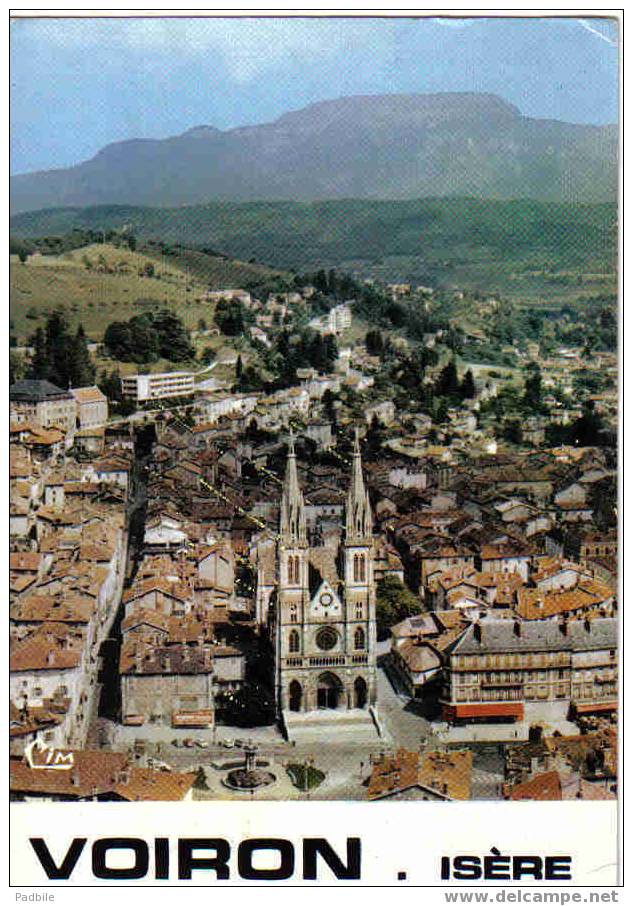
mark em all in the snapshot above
pixel 310 537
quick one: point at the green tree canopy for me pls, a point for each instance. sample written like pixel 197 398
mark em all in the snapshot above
pixel 532 391
pixel 148 337
pixel 468 386
pixel 394 602
pixel 447 382
pixel 60 356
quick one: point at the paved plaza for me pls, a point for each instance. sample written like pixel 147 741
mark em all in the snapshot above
pixel 332 746
pixel 335 744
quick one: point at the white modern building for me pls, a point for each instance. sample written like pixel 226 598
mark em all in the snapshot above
pixel 141 387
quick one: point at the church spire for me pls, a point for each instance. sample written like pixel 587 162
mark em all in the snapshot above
pixel 358 517
pixel 293 520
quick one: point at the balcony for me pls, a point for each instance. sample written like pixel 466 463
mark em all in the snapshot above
pixel 327 661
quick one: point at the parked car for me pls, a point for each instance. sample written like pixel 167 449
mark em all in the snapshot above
pixel 188 743
pixel 202 743
pixel 228 743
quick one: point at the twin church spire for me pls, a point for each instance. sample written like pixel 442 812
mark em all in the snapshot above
pixel 358 516
pixel 293 517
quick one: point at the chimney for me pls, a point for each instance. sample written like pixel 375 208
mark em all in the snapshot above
pixel 587 624
pixel 517 629
pixel 477 631
pixel 562 624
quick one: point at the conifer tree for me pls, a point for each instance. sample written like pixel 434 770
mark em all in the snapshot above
pixel 468 386
pixel 40 368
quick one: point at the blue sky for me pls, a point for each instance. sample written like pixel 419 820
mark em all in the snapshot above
pixel 78 84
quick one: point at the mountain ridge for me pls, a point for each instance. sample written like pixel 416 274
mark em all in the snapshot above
pixel 398 146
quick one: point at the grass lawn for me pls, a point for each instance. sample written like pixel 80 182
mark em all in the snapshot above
pixel 113 288
pixel 483 370
pixel 305 778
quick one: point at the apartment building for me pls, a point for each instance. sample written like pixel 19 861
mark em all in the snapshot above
pixel 210 408
pixel 166 683
pixel 340 318
pixel 92 407
pixel 335 321
pixel 142 387
pixel 512 670
pixel 43 405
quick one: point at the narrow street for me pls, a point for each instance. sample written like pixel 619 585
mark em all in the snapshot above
pixel 108 693
pixel 398 714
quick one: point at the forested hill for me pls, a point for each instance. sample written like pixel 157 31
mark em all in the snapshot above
pixel 436 239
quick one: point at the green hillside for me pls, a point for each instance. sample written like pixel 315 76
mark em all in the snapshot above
pixel 102 283
pixel 530 249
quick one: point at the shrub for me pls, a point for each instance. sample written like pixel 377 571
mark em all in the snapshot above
pixel 305 777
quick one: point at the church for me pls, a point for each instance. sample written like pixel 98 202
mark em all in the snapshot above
pixel 325 613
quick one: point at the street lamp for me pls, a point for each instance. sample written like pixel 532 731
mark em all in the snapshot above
pixel 307 763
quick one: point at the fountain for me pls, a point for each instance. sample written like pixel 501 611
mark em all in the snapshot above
pixel 248 777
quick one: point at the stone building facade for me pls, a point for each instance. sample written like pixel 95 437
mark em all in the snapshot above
pixel 167 684
pixel 325 611
pixel 92 407
pixel 505 669
pixel 43 405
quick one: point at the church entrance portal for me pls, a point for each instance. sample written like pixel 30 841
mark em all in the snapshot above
pixel 360 692
pixel 329 691
pixel 295 694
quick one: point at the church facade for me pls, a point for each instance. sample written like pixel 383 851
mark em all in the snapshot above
pixel 325 613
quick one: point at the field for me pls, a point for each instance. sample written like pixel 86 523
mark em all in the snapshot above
pixel 215 271
pixel 99 284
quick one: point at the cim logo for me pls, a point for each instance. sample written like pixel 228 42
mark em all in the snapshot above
pixel 40 756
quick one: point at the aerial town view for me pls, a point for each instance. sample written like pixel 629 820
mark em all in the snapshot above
pixel 314 449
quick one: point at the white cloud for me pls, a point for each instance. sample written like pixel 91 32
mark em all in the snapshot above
pixel 246 47
pixel 243 48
